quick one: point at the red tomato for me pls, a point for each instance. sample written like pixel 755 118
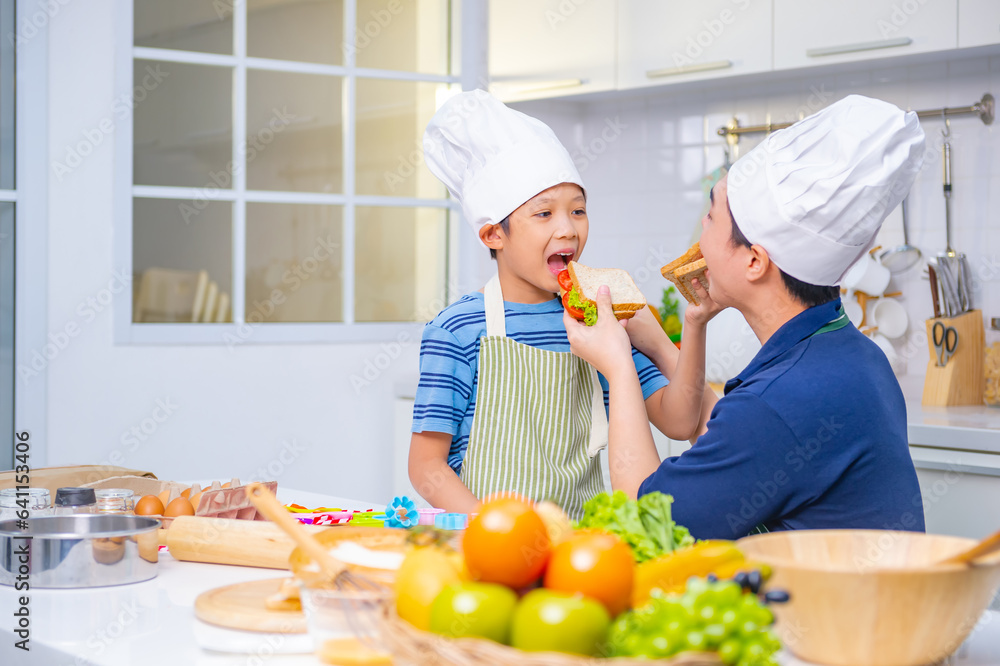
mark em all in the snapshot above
pixel 506 543
pixel 575 313
pixel 565 281
pixel 595 564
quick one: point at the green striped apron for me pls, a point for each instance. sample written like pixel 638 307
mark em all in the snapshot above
pixel 539 422
pixel 840 321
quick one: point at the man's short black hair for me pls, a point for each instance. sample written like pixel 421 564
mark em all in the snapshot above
pixel 505 225
pixel 809 295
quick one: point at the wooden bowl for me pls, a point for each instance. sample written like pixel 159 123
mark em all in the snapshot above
pixel 873 597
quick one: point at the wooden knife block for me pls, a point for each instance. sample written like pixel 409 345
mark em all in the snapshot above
pixel 961 381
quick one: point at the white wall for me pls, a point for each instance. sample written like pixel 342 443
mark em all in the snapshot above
pixel 235 409
pixel 644 156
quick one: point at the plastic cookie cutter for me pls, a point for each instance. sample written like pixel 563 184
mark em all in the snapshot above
pixel 401 512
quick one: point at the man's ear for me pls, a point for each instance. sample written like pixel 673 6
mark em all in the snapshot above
pixel 490 235
pixel 758 262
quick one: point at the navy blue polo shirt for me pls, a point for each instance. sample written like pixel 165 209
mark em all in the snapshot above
pixel 811 435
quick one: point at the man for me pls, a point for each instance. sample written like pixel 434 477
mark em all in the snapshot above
pixel 812 434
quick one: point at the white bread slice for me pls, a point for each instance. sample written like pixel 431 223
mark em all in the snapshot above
pixel 626 299
pixel 684 269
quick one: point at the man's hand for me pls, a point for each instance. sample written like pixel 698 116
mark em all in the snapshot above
pixel 646 334
pixel 605 345
pixel 700 315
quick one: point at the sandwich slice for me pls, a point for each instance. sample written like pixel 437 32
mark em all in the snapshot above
pixel 579 285
pixel 682 270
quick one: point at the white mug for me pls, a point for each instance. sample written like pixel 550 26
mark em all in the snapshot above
pixel 895 362
pixel 890 317
pixel 867 275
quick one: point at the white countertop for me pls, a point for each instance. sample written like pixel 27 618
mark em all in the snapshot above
pixel 153 623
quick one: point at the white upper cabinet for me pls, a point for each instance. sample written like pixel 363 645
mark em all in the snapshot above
pixel 668 41
pixel 551 48
pixel 809 32
pixel 978 22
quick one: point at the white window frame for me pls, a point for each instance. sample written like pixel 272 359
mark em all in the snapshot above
pixel 30 198
pixel 473 34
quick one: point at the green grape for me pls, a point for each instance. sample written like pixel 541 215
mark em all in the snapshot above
pixel 729 594
pixel 714 634
pixel 729 619
pixel 730 651
pixel 747 628
pixel 754 650
pixel 695 640
pixel 708 613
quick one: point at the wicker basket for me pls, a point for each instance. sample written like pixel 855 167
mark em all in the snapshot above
pixel 410 645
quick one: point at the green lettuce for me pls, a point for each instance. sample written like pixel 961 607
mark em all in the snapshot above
pixel 589 309
pixel 645 525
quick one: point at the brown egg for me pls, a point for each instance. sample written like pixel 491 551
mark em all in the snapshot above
pixel 164 497
pixel 195 500
pixel 149 505
pixel 187 493
pixel 227 484
pixel 181 506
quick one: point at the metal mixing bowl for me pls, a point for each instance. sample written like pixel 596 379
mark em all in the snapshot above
pixel 79 551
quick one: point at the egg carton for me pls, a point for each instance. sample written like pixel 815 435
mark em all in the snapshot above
pixel 215 501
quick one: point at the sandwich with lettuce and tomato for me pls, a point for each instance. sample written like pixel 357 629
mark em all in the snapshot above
pixel 578 285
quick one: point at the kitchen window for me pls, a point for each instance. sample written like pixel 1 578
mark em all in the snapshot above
pixel 274 189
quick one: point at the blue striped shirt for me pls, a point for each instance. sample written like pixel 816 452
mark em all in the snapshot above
pixel 449 363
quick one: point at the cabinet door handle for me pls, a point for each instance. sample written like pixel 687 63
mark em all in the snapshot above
pixel 688 69
pixel 860 46
pixel 540 86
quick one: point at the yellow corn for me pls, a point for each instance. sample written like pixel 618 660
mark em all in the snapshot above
pixel 670 573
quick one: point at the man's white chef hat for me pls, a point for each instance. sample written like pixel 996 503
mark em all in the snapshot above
pixel 493 158
pixel 815 194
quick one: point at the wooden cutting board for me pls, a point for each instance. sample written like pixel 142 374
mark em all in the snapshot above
pixel 242 606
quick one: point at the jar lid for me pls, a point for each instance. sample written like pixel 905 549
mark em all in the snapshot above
pixel 114 492
pixel 75 496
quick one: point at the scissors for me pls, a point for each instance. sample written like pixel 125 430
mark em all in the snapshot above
pixel 945 341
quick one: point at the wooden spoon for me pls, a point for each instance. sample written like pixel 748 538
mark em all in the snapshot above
pixel 988 545
pixel 268 504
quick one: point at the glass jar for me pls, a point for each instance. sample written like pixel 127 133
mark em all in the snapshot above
pixel 72 501
pixel 37 501
pixel 115 500
pixel 992 364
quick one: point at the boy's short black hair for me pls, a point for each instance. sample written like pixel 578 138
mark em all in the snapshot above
pixel 505 225
pixel 809 295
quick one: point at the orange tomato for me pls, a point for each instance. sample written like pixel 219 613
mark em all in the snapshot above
pixel 506 543
pixel 595 564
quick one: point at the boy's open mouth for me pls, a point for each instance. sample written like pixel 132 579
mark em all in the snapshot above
pixel 558 260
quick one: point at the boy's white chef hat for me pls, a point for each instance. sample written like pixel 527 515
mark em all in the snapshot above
pixel 815 194
pixel 493 158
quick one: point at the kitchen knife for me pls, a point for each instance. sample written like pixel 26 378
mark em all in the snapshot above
pixel 932 274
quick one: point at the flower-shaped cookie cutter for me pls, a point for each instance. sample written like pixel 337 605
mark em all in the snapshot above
pixel 401 512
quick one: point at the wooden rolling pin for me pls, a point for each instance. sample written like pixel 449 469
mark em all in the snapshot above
pixel 248 543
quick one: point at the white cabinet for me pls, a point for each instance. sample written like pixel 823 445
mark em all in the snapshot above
pixel 551 48
pixel 667 41
pixel 807 32
pixel 978 23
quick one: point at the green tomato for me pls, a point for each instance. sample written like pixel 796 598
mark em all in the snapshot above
pixel 474 609
pixel 548 621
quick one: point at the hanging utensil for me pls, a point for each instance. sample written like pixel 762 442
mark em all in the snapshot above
pixel 905 256
pixel 953 269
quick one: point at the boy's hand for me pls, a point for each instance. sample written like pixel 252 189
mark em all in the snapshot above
pixel 700 315
pixel 605 345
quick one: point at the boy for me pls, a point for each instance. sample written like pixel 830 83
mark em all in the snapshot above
pixel 501 404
